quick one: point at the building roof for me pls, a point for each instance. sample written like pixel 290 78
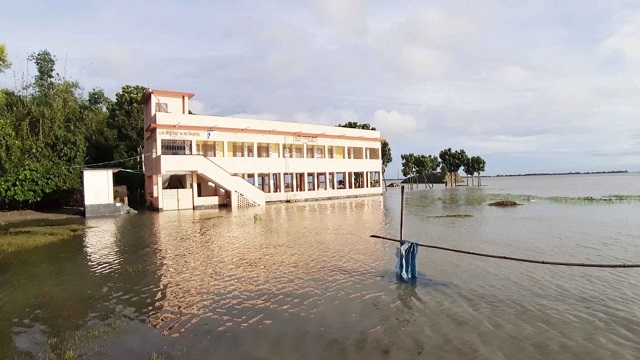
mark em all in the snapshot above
pixel 167 93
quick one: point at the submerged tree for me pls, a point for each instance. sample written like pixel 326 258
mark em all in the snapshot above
pixel 478 166
pixel 408 167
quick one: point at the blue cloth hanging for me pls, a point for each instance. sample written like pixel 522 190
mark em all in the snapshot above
pixel 407 260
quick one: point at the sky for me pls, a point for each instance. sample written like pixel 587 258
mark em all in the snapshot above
pixel 531 86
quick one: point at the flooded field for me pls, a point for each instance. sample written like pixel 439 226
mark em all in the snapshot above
pixel 304 280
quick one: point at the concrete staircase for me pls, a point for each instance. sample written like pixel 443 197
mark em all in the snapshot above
pixel 243 194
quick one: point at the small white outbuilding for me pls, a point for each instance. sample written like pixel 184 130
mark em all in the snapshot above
pixel 99 199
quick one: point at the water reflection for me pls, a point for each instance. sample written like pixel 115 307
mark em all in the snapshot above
pixel 101 245
pixel 252 267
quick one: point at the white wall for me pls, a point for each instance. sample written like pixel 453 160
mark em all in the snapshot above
pixel 98 186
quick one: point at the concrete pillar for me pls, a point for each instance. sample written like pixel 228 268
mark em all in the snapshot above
pixel 326 181
pixel 294 182
pixel 306 181
pixel 271 187
pixel 159 189
pixel 255 179
pixel 194 187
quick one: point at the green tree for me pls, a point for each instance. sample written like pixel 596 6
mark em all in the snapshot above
pixel 126 119
pixel 426 166
pixel 385 149
pixel 4 59
pixel 452 161
pixel 478 165
pixel 409 167
pixel 44 145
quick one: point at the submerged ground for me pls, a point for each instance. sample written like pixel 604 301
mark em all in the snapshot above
pixel 305 280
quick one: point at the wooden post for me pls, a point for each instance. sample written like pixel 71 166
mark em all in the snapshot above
pixel 401 212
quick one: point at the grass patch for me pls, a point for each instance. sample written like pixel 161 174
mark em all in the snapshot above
pixel 67 346
pixel 450 216
pixel 504 203
pixel 155 356
pixel 21 238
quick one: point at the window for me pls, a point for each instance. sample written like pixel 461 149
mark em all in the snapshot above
pixel 322 181
pixel 274 150
pixel 310 182
pixel 263 150
pixel 210 148
pixel 239 149
pixel 335 152
pixel 358 180
pixel 374 179
pixel 162 107
pixel 373 153
pixel 266 150
pixel 175 147
pixel 288 182
pixel 340 180
pixel 292 151
pixel 315 151
pixel 355 153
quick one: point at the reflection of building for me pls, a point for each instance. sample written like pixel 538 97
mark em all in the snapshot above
pixel 194 161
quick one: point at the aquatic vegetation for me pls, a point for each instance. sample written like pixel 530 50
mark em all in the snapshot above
pixel 20 238
pixel 67 346
pixel 155 356
pixel 504 203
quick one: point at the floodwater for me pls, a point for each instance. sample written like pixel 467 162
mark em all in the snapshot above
pixel 305 281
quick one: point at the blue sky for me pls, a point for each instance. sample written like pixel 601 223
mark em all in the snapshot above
pixel 535 86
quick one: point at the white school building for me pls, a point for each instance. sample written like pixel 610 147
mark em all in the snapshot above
pixel 197 161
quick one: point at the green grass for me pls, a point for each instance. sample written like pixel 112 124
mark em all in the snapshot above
pixel 155 356
pixel 22 238
pixel 67 346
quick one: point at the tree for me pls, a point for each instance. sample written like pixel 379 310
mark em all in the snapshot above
pixel 43 139
pixel 426 165
pixel 447 163
pixel 478 165
pixel 4 59
pixel 452 161
pixel 409 167
pixel 126 119
pixel 385 149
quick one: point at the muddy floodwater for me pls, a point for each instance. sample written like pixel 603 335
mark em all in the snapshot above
pixel 305 280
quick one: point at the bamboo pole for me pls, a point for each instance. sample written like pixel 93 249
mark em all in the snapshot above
pixel 402 212
pixel 543 262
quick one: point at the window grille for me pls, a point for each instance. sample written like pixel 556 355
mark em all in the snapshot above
pixel 176 147
pixel 162 107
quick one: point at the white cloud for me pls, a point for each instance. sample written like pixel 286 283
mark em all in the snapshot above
pixel 197 107
pixel 328 116
pixel 424 61
pixel 394 124
pixel 514 76
pixel 432 25
pixel 259 116
pixel 626 40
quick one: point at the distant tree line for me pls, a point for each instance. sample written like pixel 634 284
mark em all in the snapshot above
pixel 448 161
pixel 49 131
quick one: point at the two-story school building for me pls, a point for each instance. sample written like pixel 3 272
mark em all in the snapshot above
pixel 196 161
